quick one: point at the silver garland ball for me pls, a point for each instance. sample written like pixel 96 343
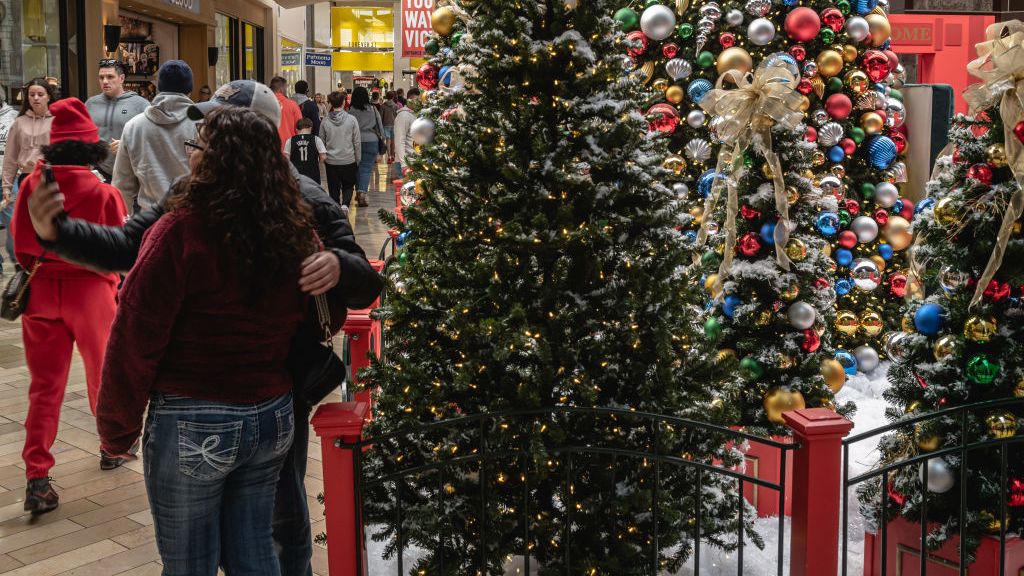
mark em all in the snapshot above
pixel 696 118
pixel 895 113
pixel 758 8
pixel 681 190
pixel 711 10
pixel 761 31
pixel 897 346
pixel 734 17
pixel 801 315
pixel 857 28
pixel 865 274
pixel 408 193
pixel 422 131
pixel 658 22
pixel 886 195
pixel 677 68
pixel 865 228
pixel 940 478
pixel 867 358
pixel 952 279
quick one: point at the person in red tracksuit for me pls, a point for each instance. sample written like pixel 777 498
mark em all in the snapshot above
pixel 68 304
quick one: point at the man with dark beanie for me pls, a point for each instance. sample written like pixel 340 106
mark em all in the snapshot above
pixel 152 151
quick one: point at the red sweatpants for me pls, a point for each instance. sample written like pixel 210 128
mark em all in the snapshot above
pixel 60 313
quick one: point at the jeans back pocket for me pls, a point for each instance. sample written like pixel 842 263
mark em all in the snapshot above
pixel 285 418
pixel 208 451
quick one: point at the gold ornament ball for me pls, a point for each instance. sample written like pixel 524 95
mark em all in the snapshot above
pixel 697 212
pixel 830 63
pixel 856 80
pixel 980 329
pixel 734 58
pixel 927 442
pixel 443 20
pixel 946 212
pixel 709 283
pixel 833 373
pixel 913 407
pixel 872 123
pixel 897 233
pixel 996 155
pixel 880 262
pixel 805 104
pixel 661 84
pixel 828 249
pixel 818 158
pixel 764 318
pixel 725 354
pixel 792 194
pixel 871 323
pixel 796 249
pixel 847 323
pixel 945 346
pixel 880 29
pixel 1001 425
pixel 790 293
pixel 766 171
pixel 675 94
pixel 778 400
pixel 675 163
pixel 850 54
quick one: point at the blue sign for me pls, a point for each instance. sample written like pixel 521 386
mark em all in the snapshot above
pixel 290 58
pixel 316 59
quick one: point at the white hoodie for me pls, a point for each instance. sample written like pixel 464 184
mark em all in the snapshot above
pixel 152 153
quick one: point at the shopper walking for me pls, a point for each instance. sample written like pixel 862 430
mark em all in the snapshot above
pixel 290 112
pixel 152 153
pixel 112 109
pixel 322 106
pixel 403 129
pixel 307 106
pixel 371 132
pixel 340 133
pixel 68 305
pixel 8 114
pixel 306 151
pixel 388 111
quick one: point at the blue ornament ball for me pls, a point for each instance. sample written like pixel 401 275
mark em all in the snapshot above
pixel 729 305
pixel 928 319
pixel 705 182
pixel 848 360
pixel 885 251
pixel 843 286
pixel 697 89
pixel 864 7
pixel 690 237
pixel 768 233
pixel 445 74
pixel 843 257
pixel 827 223
pixel 784 59
pixel 924 205
pixel 403 238
pixel 897 207
pixel 881 152
pixel 836 154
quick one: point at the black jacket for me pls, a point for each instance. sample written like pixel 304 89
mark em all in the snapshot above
pixel 114 249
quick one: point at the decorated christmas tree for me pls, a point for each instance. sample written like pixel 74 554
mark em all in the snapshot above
pixel 541 269
pixel 854 117
pixel 964 343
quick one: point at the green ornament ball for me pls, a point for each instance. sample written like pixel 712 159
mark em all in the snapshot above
pixel 705 59
pixel 456 38
pixel 751 369
pixel 982 370
pixel 845 218
pixel 894 93
pixel 843 6
pixel 867 190
pixel 685 30
pixel 857 134
pixel 827 35
pixel 432 46
pixel 712 329
pixel 835 84
pixel 403 256
pixel 650 3
pixel 628 18
pixel 709 258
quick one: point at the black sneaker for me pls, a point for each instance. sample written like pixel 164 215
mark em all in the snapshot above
pixel 40 497
pixel 112 462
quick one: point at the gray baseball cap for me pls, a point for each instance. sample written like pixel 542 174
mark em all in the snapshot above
pixel 242 93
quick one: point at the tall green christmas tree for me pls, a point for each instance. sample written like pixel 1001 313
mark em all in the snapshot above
pixel 964 343
pixel 542 268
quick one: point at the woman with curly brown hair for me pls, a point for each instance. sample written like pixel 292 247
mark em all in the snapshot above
pixel 202 333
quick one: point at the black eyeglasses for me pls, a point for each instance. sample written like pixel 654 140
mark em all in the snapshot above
pixel 191 146
pixel 107 62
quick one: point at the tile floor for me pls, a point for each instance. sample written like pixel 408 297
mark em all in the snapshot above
pixel 103 526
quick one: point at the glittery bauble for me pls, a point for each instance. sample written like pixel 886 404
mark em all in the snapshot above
pixel 734 58
pixel 858 28
pixel 802 24
pixel 677 68
pixel 876 64
pixel 871 323
pixel 749 244
pixel 872 122
pixel 981 369
pixel 422 131
pixel 801 315
pixel 427 76
pixel 838 105
pixel 1001 424
pixel 996 154
pixel 780 399
pixel 980 172
pixel 443 20
pixel 881 151
pixel 658 22
pixel 833 373
pixel 847 322
pixel 675 94
pixel 880 29
pixel 865 274
pixel 897 347
pixel 627 18
pixel 946 212
pixel 867 358
pixel 796 249
pixel 886 194
pixel 865 228
pixel 761 31
pixel 830 63
pixel 940 477
pixel 980 328
pixel 946 346
pixel 758 7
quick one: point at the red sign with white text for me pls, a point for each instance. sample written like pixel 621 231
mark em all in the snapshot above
pixel 416 27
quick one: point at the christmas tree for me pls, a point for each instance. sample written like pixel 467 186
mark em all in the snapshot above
pixel 847 75
pixel 541 268
pixel 963 343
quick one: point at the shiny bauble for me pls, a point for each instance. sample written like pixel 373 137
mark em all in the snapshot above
pixel 879 27
pixel 658 22
pixel 838 106
pixel 637 44
pixel 833 373
pixel 711 285
pixel 928 319
pixel 867 357
pixel 833 18
pixel 801 315
pixel 996 154
pixel 758 7
pixel 830 134
pixel 751 369
pixel 695 118
pixel 858 28
pixel 427 76
pixel 1001 424
pixel 697 89
pixel 886 194
pixel 876 65
pixel 664 118
pixel 734 58
pixel 897 346
pixel 408 193
pixel 872 123
pixel 677 68
pixel 422 131
pixel 697 213
pixel 882 152
pixel 981 369
pixel 674 163
pixel 627 18
pixel 980 172
pixel 443 20
pixel 871 323
pixel 865 274
pixel 698 150
pixel 946 212
pixel 761 31
pixel 946 346
pixel 848 361
pixel 895 113
pixel 865 228
pixel 926 442
pixel 675 94
pixel 940 477
pixel 897 233
pixel 980 328
pixel 951 279
pixel 856 81
pixel 830 63
pixel 802 24
pixel 712 329
pixel 847 322
pixel 796 249
pixel 725 354
pixel 780 399
pixel 734 17
pixel 791 292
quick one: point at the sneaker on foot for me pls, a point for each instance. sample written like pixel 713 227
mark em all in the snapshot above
pixel 40 497
pixel 109 462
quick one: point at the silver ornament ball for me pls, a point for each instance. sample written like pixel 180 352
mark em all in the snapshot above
pixel 865 274
pixel 758 8
pixel 895 113
pixel 681 190
pixel 867 358
pixel 801 315
pixel 711 10
pixel 696 118
pixel 865 228
pixel 952 279
pixel 408 193
pixel 761 31
pixel 734 17
pixel 886 194
pixel 422 131
pixel 820 117
pixel 940 478
pixel 658 22
pixel 896 346
pixel 857 28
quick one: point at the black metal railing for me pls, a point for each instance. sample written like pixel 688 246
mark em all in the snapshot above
pixel 475 446
pixel 970 438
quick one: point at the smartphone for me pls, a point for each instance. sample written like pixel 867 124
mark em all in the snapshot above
pixel 47 174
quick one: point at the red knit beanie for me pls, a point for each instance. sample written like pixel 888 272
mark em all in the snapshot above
pixel 71 121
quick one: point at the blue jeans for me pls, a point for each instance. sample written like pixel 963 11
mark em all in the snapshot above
pixel 292 534
pixel 211 470
pixel 367 164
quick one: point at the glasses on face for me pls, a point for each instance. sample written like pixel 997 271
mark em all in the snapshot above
pixel 107 62
pixel 191 146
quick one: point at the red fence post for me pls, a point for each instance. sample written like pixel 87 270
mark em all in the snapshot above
pixel 817 470
pixel 341 422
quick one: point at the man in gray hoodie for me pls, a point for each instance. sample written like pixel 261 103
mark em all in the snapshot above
pixel 112 109
pixel 340 133
pixel 152 151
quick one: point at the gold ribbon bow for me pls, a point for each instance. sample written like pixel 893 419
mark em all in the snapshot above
pixel 1000 66
pixel 759 102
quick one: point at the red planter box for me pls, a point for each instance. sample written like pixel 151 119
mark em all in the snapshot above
pixel 362 335
pixel 764 462
pixel 904 555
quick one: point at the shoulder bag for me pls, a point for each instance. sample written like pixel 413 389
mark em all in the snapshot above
pixel 317 370
pixel 15 296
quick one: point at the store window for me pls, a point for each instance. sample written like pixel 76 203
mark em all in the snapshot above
pixel 253 47
pixel 225 54
pixel 240 50
pixel 291 60
pixel 40 39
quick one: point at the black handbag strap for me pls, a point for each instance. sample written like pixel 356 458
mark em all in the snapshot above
pixel 323 314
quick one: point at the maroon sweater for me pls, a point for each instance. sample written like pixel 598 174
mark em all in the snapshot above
pixel 184 326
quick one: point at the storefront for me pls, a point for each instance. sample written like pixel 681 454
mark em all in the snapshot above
pixel 364 47
pixel 41 39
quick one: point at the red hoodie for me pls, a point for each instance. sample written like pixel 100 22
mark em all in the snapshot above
pixel 85 197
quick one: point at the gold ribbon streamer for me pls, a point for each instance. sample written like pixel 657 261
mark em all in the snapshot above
pixel 1000 67
pixel 759 102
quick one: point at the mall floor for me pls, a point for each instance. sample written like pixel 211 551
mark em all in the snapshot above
pixel 103 526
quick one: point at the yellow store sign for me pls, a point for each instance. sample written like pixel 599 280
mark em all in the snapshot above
pixel 366 37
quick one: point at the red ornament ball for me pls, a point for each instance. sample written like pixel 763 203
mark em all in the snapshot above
pixel 1016 493
pixel 811 134
pixel 663 117
pixel 980 172
pixel 847 239
pixel 899 140
pixel 882 216
pixel 1018 131
pixel 798 51
pixel 727 40
pixel 821 284
pixel 811 340
pixel 749 244
pixel 748 213
pixel 426 76
pixel 852 206
pixel 804 86
pixel 839 106
pixel 958 158
pixel 997 291
pixel 894 60
pixel 833 18
pixel 897 284
pixel 875 64
pixel 637 42
pixel 670 50
pixel 907 210
pixel 848 146
pixel 802 24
